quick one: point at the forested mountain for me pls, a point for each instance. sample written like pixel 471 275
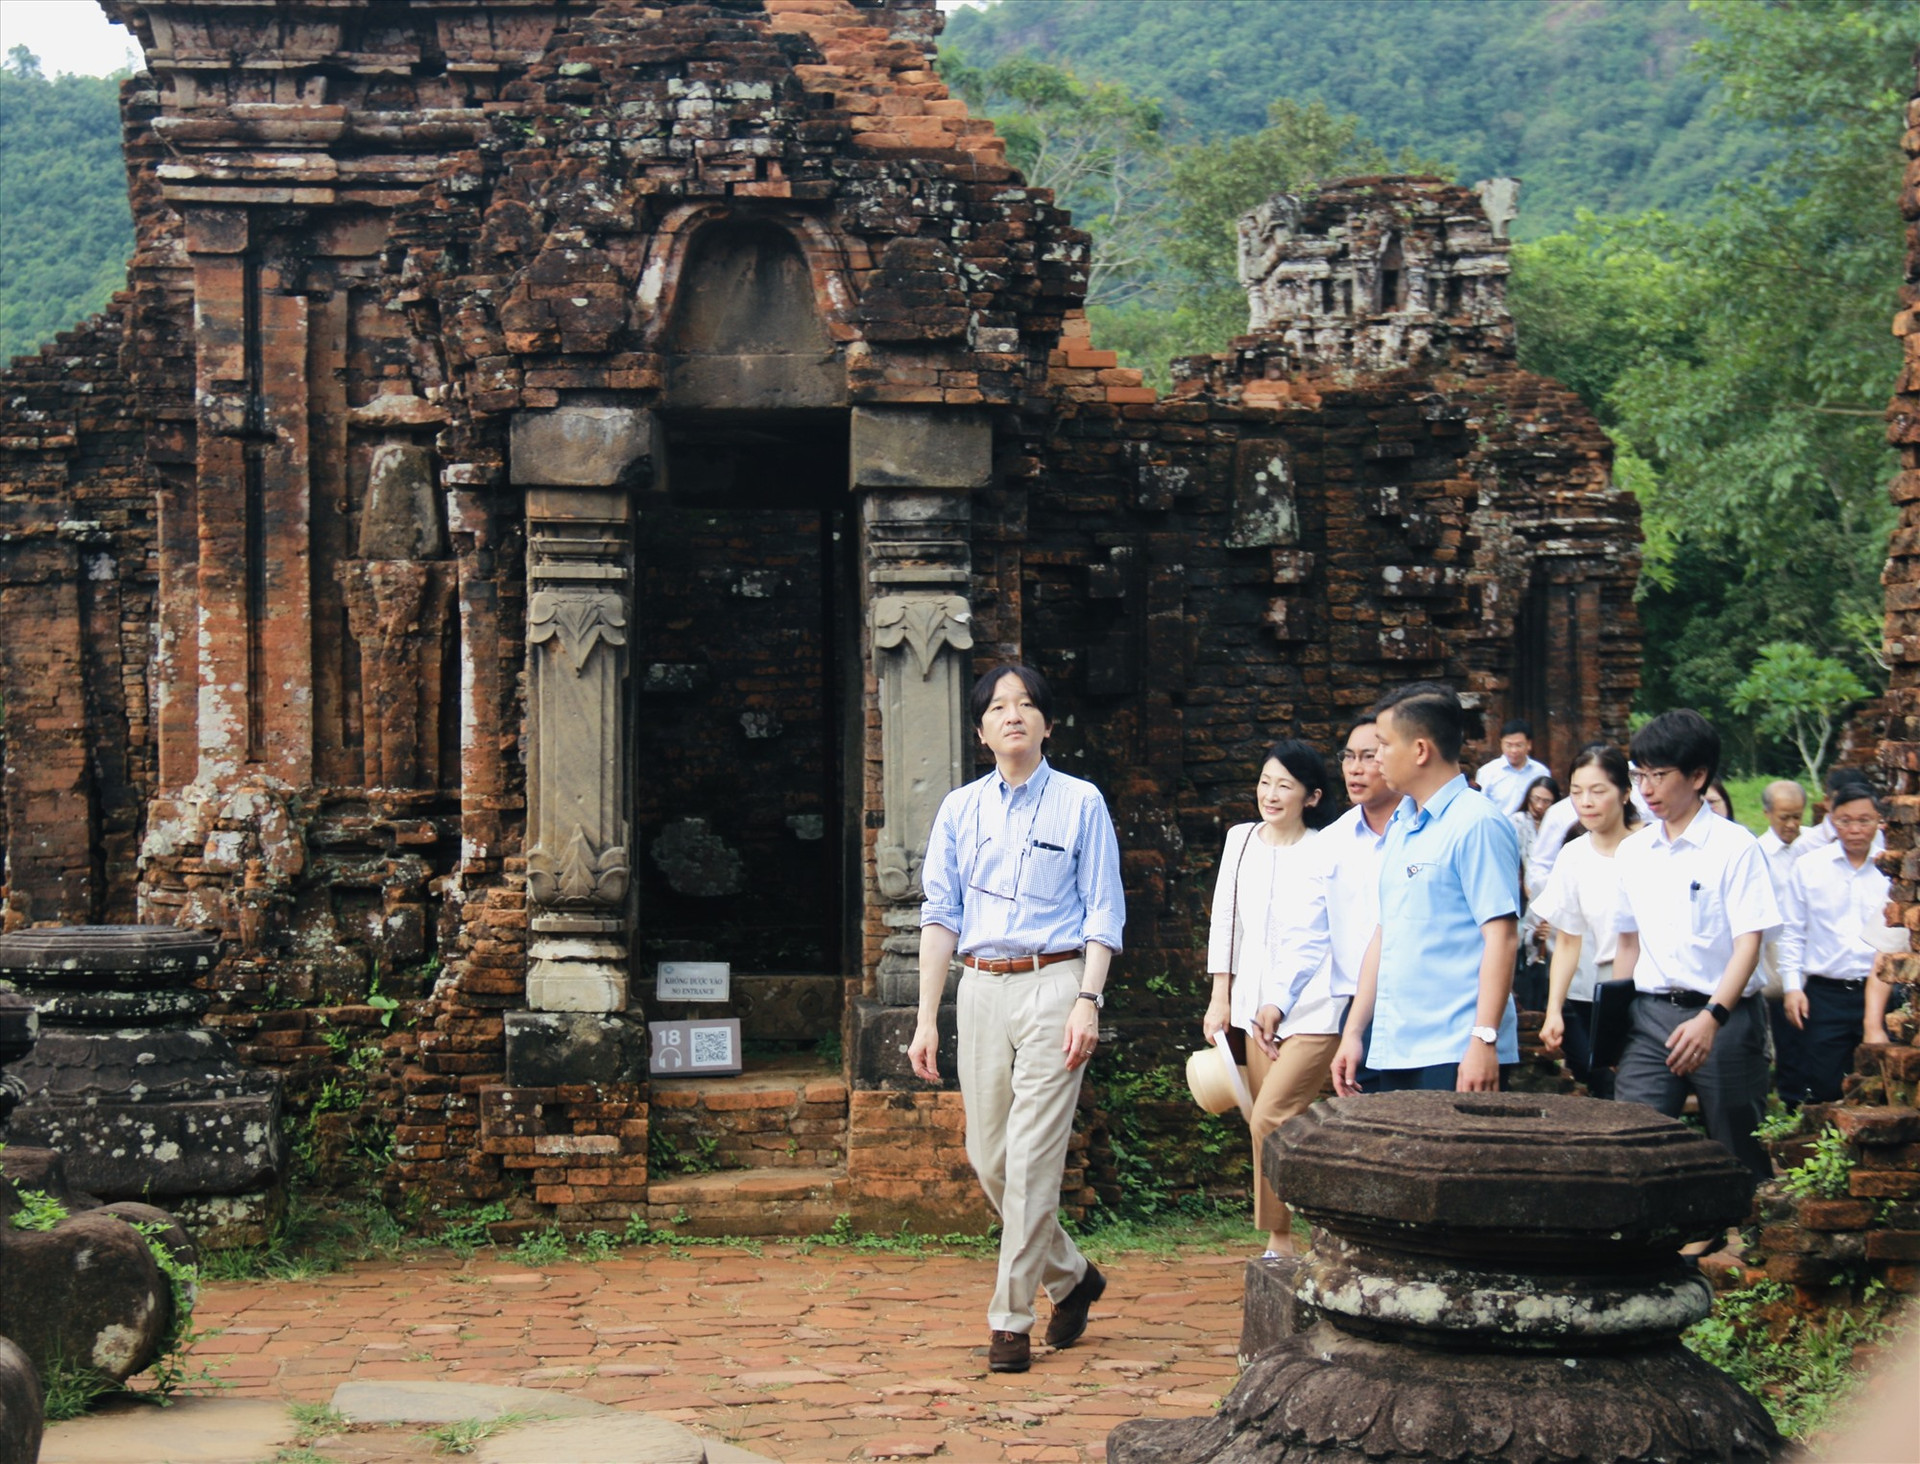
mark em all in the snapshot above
pixel 65 228
pixel 1590 102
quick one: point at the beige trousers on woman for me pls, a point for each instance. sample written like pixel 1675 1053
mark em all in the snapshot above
pixel 1283 1086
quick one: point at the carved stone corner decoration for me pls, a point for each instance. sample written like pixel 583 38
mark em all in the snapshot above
pixel 920 644
pixel 923 626
pixel 580 877
pixel 581 620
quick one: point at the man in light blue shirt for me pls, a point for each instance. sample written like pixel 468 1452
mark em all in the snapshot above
pixel 1436 981
pixel 1506 779
pixel 1022 879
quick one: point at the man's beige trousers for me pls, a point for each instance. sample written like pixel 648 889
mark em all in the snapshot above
pixel 1020 1099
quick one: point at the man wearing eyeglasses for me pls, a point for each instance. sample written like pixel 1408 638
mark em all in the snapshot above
pixel 1022 879
pixel 1695 903
pixel 1834 897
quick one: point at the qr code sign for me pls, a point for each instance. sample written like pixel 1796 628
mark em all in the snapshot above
pixel 712 1047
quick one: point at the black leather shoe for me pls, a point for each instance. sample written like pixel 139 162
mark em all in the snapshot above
pixel 1009 1352
pixel 1069 1317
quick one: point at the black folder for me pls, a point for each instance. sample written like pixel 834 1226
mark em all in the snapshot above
pixel 1612 1019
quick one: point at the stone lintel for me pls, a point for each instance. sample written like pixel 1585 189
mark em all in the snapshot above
pixel 577 505
pixel 582 447
pixel 920 447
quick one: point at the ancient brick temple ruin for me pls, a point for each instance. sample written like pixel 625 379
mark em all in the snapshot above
pixel 553 472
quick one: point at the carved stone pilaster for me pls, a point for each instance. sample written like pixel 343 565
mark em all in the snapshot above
pixel 580 741
pixel 919 651
pixel 397 611
pixel 916 471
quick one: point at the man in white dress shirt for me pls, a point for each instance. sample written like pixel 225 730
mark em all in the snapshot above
pixel 1834 897
pixel 1349 850
pixel 1785 802
pixel 1695 903
pixel 1506 779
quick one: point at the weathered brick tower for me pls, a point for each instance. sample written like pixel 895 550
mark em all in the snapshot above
pixel 556 467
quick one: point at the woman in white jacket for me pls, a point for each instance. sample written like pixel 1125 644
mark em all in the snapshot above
pixel 1268 956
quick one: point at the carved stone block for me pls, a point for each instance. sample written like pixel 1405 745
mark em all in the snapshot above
pixel 581 447
pixel 906 447
pixel 1264 512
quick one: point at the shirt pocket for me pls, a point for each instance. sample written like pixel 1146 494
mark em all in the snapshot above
pixel 1706 913
pixel 1050 873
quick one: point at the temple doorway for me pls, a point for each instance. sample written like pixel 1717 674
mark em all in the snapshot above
pixel 747 667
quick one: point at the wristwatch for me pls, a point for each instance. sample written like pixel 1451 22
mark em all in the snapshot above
pixel 1099 1001
pixel 1718 1013
pixel 1487 1035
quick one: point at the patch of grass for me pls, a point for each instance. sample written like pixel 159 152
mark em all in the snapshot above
pixel 1197 1225
pixel 316 1420
pixel 466 1434
pixel 1802 1369
pixel 312 1240
pixel 71 1388
pixel 1781 1122
pixel 906 1241
pixel 466 1230
pixel 542 1247
pixel 170 1370
pixel 301 1455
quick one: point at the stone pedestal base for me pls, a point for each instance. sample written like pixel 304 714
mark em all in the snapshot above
pixel 225 1222
pixel 878 1035
pixel 576 974
pixel 1273 1311
pixel 556 1049
pixel 1331 1398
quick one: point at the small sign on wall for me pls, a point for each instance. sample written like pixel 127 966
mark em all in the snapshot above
pixel 710 1047
pixel 693 981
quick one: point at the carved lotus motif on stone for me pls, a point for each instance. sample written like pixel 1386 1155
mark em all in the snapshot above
pixel 579 619
pixel 898 872
pixel 923 626
pixel 579 876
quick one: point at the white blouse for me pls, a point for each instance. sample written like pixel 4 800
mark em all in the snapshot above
pixel 1270 925
pixel 1582 898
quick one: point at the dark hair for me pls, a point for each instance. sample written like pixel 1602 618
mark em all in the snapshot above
pixel 1853 792
pixel 1716 786
pixel 1036 685
pixel 1310 769
pixel 1365 719
pixel 1517 727
pixel 1854 783
pixel 1613 762
pixel 1680 739
pixel 1545 780
pixel 1434 709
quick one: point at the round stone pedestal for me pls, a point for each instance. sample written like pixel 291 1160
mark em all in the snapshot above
pixel 142 1101
pixel 1490 1277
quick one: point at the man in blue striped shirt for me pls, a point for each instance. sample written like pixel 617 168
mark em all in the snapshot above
pixel 1022 879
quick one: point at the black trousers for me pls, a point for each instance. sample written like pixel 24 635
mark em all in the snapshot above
pixel 1789 1054
pixel 1836 1018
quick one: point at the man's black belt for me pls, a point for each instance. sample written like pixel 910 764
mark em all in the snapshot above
pixel 1692 1000
pixel 1834 981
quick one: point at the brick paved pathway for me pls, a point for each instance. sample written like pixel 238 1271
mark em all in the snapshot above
pixel 828 1355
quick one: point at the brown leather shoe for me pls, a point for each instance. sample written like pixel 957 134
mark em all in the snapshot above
pixel 1009 1352
pixel 1069 1317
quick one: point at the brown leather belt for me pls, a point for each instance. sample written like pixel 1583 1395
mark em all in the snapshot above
pixel 1000 965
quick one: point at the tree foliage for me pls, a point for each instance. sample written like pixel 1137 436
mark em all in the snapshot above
pixel 1796 694
pixel 63 195
pixel 1591 102
pixel 1741 359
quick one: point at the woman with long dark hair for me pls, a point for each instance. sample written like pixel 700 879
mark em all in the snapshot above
pixel 1581 903
pixel 1269 940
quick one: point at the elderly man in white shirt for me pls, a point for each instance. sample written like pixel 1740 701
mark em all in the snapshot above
pixel 1835 904
pixel 1506 779
pixel 1695 903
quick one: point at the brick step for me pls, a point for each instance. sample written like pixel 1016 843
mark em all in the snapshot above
pixel 789 1202
pixel 782 1114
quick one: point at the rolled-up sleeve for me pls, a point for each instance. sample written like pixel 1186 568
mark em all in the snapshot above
pixel 940 870
pixel 1101 891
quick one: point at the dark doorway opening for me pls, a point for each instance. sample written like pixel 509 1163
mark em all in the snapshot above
pixel 746 637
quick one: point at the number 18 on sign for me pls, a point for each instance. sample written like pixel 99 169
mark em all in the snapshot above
pixel 710 1047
